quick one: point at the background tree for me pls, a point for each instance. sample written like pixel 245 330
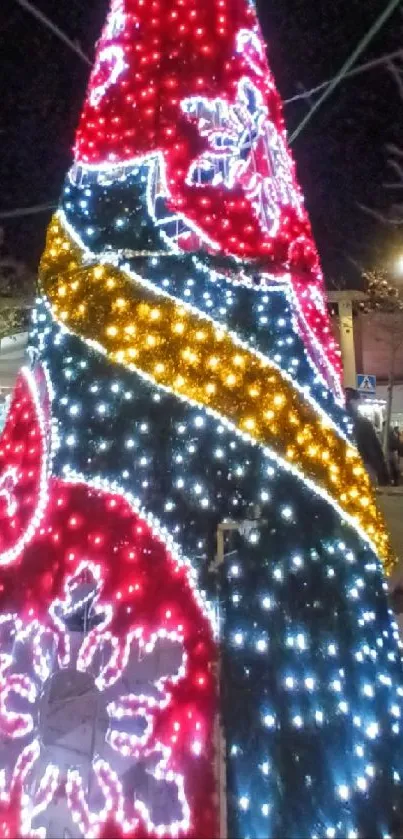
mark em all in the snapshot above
pixel 16 292
pixel 384 305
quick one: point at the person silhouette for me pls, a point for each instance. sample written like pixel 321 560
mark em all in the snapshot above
pixel 367 440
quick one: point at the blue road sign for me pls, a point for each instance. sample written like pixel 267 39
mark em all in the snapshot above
pixel 366 384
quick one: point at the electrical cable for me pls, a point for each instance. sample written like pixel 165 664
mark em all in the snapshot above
pixel 361 46
pixel 29 7
pixel 362 68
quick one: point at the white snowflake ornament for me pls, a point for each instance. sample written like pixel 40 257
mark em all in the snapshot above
pixel 78 708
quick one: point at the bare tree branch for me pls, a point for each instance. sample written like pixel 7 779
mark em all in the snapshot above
pixel 374 214
pixel 397 74
pixel 396 150
pixel 394 217
pixel 397 168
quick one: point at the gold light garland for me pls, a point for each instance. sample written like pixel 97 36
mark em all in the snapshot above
pixel 197 360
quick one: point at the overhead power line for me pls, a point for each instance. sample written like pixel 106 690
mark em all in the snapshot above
pixel 328 86
pixel 346 67
pixel 27 211
pixel 53 28
pixel 362 68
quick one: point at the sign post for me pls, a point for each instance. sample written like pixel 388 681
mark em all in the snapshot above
pixel 366 384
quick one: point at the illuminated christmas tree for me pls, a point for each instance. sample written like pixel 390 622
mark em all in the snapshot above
pixel 182 372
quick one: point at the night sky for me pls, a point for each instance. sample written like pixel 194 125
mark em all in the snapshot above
pixel 341 155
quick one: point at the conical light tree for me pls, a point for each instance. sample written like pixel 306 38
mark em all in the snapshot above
pixel 182 371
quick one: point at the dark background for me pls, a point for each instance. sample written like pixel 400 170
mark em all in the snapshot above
pixel 341 155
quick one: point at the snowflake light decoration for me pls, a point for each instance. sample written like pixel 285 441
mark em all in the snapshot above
pixel 56 679
pixel 245 149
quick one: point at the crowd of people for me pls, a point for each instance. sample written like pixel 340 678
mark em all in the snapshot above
pixel 382 470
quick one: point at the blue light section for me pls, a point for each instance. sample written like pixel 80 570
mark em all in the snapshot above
pixel 312 700
pixel 116 220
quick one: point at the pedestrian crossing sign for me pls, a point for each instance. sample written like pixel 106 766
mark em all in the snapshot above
pixel 366 384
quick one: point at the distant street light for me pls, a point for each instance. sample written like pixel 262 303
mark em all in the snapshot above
pixel 399 266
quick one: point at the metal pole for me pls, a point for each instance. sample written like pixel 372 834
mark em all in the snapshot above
pixel 389 401
pixel 221 752
pixel 221 764
pixel 347 343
